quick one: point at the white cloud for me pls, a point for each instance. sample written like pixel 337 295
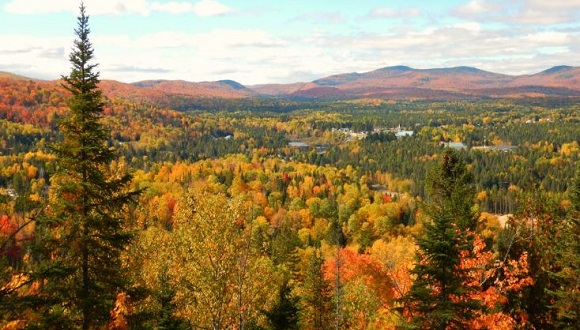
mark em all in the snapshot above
pixel 210 8
pixel 476 7
pixel 537 16
pixel 387 12
pixel 34 57
pixel 174 8
pixel 322 17
pixel 246 55
pixel 554 4
pixel 163 39
pixel 39 6
pixel 116 7
pixel 95 7
pixel 211 41
pixel 470 26
pixel 532 12
pixel 383 12
pixel 548 38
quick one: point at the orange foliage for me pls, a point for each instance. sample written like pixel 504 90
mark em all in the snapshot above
pixel 354 266
pixel 30 101
pixel 15 325
pixel 119 313
pixel 495 280
pixel 7 226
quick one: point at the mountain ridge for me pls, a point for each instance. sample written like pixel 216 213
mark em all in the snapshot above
pixel 403 82
pixel 393 82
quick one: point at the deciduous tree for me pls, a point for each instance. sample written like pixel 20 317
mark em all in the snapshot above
pixel 222 279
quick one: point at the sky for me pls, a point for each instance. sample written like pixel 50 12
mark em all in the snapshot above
pixel 286 41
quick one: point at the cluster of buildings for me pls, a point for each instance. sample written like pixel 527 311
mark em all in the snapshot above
pixel 352 135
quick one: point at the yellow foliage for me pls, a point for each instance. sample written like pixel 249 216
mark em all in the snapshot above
pixel 306 218
pixel 319 228
pixel 397 256
pixel 481 196
pixel 488 225
pixel 569 149
pixel 513 188
pixel 304 235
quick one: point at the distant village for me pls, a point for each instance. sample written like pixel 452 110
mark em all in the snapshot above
pixel 352 135
pixel 400 133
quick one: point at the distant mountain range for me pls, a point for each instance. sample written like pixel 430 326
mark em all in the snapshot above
pixel 396 82
pixel 402 82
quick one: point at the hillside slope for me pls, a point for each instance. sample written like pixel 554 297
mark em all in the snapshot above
pixel 457 82
pixel 396 82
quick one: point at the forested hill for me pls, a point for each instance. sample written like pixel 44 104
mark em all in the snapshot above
pixel 17 91
pixel 402 82
pixel 397 82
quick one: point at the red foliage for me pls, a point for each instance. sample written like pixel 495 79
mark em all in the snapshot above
pixel 7 225
pixel 171 204
pixel 285 178
pixel 387 198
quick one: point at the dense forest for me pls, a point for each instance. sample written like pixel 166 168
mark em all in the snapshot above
pixel 191 213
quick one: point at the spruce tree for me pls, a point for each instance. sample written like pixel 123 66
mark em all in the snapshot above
pixel 568 259
pixel 439 296
pixel 316 295
pixel 284 314
pixel 83 228
pixel 450 190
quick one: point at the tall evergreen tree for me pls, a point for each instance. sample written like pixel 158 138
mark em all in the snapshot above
pixel 439 296
pixel 284 314
pixel 568 255
pixel 450 191
pixel 316 296
pixel 84 223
